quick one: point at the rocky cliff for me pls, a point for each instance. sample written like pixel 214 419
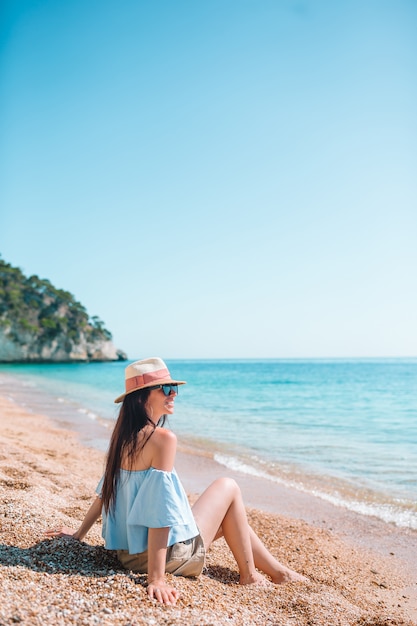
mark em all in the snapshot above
pixel 39 323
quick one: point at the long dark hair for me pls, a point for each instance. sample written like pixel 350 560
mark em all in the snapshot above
pixel 124 441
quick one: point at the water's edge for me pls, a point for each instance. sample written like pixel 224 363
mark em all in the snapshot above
pixel 94 430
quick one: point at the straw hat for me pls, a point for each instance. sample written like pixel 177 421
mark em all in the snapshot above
pixel 146 373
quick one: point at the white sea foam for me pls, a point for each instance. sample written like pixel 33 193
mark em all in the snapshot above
pixel 90 414
pixel 387 512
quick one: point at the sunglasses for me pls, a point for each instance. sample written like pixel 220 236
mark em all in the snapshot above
pixel 167 389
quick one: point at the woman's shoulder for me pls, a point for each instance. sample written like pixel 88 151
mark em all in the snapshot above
pixel 163 446
pixel 164 438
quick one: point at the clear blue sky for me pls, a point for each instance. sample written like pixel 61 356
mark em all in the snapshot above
pixel 217 178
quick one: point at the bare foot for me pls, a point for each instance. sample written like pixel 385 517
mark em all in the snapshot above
pixel 255 579
pixel 287 575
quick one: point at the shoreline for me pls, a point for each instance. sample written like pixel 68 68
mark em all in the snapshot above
pixel 198 470
pixel 259 492
pixel 95 424
pixel 345 555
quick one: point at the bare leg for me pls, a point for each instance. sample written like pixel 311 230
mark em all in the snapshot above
pixel 221 506
pixel 269 565
pixel 220 512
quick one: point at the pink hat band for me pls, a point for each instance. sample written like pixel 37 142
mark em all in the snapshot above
pixel 145 379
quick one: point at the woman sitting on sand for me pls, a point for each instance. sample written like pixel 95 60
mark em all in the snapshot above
pixel 146 515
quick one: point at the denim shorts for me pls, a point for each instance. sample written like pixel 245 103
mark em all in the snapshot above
pixel 185 558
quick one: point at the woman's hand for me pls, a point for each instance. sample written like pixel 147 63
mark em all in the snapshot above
pixel 60 531
pixel 90 517
pixel 160 591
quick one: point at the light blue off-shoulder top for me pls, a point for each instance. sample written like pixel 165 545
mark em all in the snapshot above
pixel 147 499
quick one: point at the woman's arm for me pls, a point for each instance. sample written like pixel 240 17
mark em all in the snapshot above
pixel 163 447
pixel 91 516
pixel 157 550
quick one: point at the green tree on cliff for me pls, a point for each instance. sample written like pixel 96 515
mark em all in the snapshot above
pixel 35 306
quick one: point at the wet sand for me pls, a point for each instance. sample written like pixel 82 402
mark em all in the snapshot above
pixel 361 571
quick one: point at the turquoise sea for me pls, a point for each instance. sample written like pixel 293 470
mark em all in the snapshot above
pixel 344 430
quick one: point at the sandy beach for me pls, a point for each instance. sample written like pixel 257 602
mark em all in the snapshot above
pixel 361 571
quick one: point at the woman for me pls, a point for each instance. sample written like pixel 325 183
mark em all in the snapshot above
pixel 146 515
